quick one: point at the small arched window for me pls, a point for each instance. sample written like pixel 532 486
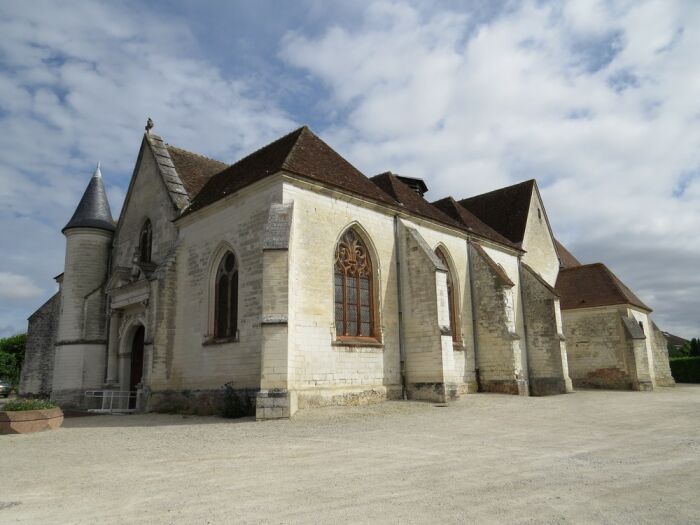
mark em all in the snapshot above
pixel 226 298
pixel 145 242
pixel 354 289
pixel 450 295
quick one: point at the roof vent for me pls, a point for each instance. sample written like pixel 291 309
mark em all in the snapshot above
pixel 417 185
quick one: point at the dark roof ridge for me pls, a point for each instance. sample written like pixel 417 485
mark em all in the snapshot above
pixel 531 182
pixel 587 265
pixel 477 226
pixel 506 209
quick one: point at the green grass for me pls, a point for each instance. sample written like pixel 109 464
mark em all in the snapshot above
pixel 28 404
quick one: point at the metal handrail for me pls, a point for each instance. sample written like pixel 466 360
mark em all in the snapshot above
pixel 110 398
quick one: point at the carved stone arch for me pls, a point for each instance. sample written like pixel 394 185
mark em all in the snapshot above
pixel 453 290
pixel 222 250
pixel 361 270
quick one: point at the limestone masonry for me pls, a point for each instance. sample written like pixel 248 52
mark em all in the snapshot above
pixel 290 280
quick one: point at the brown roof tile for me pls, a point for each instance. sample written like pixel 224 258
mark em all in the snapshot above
pixel 566 258
pixel 194 170
pixel 411 201
pixel 592 285
pixel 472 223
pixel 505 210
pixel 299 153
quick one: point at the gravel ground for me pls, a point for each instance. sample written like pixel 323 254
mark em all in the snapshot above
pixel 587 457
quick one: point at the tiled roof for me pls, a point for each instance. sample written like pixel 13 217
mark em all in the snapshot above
pixel 592 285
pixel 566 258
pixel 299 153
pixel 472 223
pixel 194 170
pixel 411 201
pixel 93 209
pixel 505 210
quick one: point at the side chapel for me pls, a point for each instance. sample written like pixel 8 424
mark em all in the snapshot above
pixel 290 280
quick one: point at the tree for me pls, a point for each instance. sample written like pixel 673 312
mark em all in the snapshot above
pixel 12 357
pixel 694 347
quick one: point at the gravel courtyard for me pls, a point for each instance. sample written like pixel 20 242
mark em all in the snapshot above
pixel 588 457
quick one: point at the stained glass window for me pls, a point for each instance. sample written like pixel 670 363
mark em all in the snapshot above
pixel 354 312
pixel 450 295
pixel 226 303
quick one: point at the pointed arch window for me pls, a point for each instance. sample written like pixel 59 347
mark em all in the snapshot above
pixel 454 325
pixel 226 298
pixel 145 242
pixel 354 288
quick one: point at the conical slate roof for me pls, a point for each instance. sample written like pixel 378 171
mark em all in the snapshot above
pixel 93 210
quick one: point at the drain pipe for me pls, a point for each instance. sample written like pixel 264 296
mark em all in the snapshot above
pixel 525 347
pixel 475 339
pixel 402 347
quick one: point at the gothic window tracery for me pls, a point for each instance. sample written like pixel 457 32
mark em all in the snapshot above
pixel 226 298
pixel 354 302
pixel 145 241
pixel 450 295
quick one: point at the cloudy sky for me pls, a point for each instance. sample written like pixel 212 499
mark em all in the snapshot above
pixel 599 101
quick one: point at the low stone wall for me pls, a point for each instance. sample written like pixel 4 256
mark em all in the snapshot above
pixel 225 401
pixel 27 421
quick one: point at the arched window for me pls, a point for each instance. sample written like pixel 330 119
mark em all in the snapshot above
pixel 450 295
pixel 354 301
pixel 145 242
pixel 226 300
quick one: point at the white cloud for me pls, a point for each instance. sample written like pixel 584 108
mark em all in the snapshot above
pixel 14 286
pixel 596 100
pixel 77 82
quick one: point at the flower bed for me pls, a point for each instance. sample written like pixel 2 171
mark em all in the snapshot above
pixel 29 415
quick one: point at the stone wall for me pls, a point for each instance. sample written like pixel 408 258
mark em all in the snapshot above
pixel 662 368
pixel 428 342
pixel 546 370
pixel 499 357
pixel 80 352
pixel 597 348
pixel 37 369
pixel 186 358
pixel 540 253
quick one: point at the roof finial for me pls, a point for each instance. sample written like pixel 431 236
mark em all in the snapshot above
pixel 149 125
pixel 97 173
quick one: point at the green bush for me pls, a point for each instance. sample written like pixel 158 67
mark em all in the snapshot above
pixel 11 357
pixel 686 369
pixel 28 404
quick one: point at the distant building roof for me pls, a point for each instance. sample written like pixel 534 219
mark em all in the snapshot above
pixel 592 285
pixel 93 210
pixel 566 258
pixel 674 340
pixel 505 209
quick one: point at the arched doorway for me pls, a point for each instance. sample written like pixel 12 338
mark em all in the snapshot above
pixel 136 372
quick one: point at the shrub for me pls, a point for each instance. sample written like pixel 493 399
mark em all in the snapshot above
pixel 686 369
pixel 28 404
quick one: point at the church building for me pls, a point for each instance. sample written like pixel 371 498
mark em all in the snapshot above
pixel 290 280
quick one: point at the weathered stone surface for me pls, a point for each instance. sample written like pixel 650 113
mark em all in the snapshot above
pixel 37 370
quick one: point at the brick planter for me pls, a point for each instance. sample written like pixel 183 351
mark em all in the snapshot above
pixel 25 421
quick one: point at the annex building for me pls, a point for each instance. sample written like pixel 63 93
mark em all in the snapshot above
pixel 290 279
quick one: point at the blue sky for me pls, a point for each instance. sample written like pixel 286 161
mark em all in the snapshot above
pixel 597 100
